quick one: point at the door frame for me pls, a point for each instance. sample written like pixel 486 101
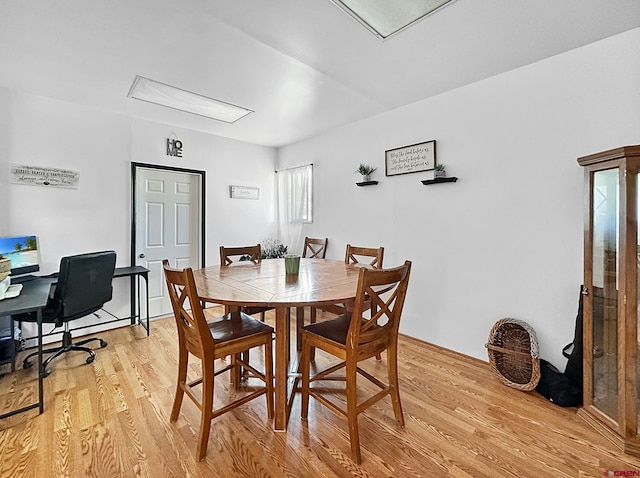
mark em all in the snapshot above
pixel 134 169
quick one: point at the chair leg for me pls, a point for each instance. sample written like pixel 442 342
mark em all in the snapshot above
pixel 26 363
pixel 268 375
pixel 312 320
pixel 236 371
pixel 67 346
pixel 61 351
pixel 352 412
pixel 206 410
pixel 103 343
pixel 299 325
pixel 392 368
pixel 306 369
pixel 182 379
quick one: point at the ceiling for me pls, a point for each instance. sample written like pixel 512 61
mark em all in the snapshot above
pixel 302 66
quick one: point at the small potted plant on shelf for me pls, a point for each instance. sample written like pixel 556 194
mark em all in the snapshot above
pixel 439 171
pixel 366 171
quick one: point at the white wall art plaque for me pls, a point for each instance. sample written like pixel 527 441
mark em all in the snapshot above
pixel 49 177
pixel 244 192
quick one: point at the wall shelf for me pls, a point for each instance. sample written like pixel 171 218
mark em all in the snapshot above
pixel 367 183
pixel 427 182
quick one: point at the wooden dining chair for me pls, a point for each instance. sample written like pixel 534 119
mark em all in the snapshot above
pixel 353 338
pixel 209 340
pixel 249 254
pixel 229 255
pixel 315 248
pixel 370 256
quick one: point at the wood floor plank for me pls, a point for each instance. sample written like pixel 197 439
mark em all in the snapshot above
pixel 111 418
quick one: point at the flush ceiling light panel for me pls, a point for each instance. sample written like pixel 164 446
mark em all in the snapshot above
pixel 385 18
pixel 152 91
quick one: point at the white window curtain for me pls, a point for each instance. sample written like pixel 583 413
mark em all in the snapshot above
pixel 294 205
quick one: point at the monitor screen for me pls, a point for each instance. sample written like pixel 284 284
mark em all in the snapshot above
pixel 23 252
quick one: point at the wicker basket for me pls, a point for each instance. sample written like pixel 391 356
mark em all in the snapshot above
pixel 513 354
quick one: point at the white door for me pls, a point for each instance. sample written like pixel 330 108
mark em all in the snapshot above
pixel 168 226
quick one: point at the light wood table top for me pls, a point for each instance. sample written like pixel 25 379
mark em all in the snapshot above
pixel 319 282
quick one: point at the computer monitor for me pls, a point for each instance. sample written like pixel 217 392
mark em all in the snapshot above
pixel 23 252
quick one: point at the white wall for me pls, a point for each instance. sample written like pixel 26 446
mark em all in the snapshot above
pixel 43 132
pixel 506 239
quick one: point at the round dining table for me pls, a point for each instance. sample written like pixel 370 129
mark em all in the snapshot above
pixel 318 282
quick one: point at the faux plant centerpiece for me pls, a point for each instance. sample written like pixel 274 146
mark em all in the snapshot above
pixel 273 249
pixel 366 171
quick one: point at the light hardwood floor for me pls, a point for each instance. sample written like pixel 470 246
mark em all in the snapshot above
pixel 110 419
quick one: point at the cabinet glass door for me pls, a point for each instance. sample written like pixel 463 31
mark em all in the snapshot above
pixel 605 241
pixel 637 255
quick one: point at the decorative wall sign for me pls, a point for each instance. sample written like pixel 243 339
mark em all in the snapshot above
pixel 244 192
pixel 50 177
pixel 410 159
pixel 174 147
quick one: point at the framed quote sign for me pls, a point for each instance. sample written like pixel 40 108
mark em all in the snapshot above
pixel 244 192
pixel 410 159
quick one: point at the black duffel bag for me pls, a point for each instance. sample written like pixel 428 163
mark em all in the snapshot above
pixel 557 387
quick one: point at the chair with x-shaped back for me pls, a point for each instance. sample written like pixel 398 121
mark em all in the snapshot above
pixel 352 338
pixel 210 340
pixel 315 248
pixel 370 257
pixel 366 256
pixel 248 255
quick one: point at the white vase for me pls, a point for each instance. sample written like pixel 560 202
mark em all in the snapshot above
pixel 366 178
pixel 440 174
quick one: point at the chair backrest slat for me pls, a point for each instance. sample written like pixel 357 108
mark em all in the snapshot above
pixel 193 332
pixel 357 255
pixel 229 255
pixel 387 289
pixel 315 248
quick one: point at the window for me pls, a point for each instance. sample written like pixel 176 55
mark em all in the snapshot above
pixel 295 204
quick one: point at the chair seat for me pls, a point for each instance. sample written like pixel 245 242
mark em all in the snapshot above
pixel 234 326
pixel 334 329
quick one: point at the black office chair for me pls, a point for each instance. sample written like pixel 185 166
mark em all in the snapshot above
pixel 83 287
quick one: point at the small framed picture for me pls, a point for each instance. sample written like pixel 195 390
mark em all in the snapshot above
pixel 410 159
pixel 244 192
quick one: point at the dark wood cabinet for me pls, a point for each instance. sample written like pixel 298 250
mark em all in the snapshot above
pixel 611 298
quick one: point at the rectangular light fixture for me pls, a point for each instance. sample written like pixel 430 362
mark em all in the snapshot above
pixel 385 18
pixel 153 91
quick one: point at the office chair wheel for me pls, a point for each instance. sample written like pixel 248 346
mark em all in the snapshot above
pixel 103 344
pixel 90 358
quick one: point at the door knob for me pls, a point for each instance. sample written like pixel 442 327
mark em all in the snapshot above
pixel 141 256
